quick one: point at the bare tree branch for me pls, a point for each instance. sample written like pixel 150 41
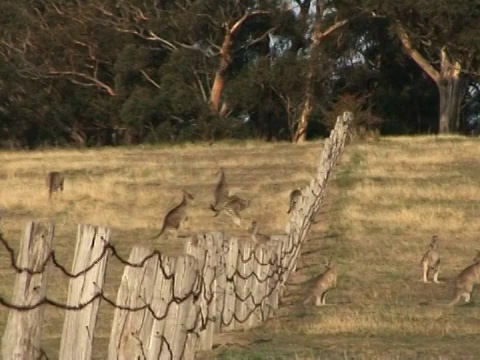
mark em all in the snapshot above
pixel 415 55
pixel 149 79
pixel 71 75
pixel 236 27
pixel 258 39
pixel 200 85
pixel 332 28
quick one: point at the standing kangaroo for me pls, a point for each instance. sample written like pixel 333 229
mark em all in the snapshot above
pixel 466 281
pixel 322 284
pixel 256 236
pixel 176 216
pixel 431 261
pixel 54 182
pixel 295 196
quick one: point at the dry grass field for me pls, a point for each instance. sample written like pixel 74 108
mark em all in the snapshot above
pixel 385 201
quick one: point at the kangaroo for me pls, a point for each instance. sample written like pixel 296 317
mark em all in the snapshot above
pixel 176 216
pixel 466 281
pixel 232 207
pixel 294 198
pixel 256 236
pixel 221 190
pixel 431 261
pixel 54 182
pixel 322 284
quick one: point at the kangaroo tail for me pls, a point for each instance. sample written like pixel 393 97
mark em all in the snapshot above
pixel 454 301
pixel 50 185
pixel 306 301
pixel 160 233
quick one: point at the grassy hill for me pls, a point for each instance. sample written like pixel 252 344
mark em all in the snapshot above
pixel 384 203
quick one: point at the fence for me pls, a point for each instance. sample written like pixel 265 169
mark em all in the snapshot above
pixel 166 308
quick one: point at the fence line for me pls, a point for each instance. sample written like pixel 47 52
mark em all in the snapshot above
pixel 166 307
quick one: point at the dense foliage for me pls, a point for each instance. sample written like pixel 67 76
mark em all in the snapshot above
pixel 99 72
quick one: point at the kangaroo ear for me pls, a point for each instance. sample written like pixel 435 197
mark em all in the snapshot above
pixel 327 262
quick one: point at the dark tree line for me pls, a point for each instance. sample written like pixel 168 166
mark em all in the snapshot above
pixel 99 72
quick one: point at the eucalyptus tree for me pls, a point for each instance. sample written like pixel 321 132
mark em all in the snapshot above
pixel 441 37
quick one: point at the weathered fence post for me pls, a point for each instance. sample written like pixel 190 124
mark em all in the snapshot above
pixel 243 290
pixel 181 312
pixel 207 250
pixel 227 308
pixel 257 284
pixel 90 264
pixel 273 282
pixel 131 330
pixel 222 249
pixel 162 297
pixel 21 339
pixel 301 216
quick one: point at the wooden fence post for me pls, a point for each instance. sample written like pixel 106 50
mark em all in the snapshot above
pixel 243 285
pixel 227 308
pixel 206 250
pixel 272 284
pixel 222 249
pixel 302 215
pixel 257 283
pixel 79 326
pixel 22 336
pixel 182 312
pixel 277 280
pixel 162 297
pixel 131 330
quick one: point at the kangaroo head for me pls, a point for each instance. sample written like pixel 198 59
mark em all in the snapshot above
pixel 187 195
pixel 253 227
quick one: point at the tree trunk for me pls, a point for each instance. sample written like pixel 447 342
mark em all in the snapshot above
pixel 449 82
pixel 226 58
pixel 450 89
pixel 221 73
pixel 300 135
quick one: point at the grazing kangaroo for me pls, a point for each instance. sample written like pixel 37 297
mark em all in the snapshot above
pixel 322 284
pixel 256 236
pixel 176 216
pixel 54 182
pixel 295 196
pixel 431 261
pixel 466 281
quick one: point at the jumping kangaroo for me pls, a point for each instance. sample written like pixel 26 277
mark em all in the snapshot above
pixel 232 207
pixel 431 261
pixel 54 182
pixel 322 284
pixel 466 281
pixel 221 190
pixel 295 196
pixel 256 236
pixel 176 216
